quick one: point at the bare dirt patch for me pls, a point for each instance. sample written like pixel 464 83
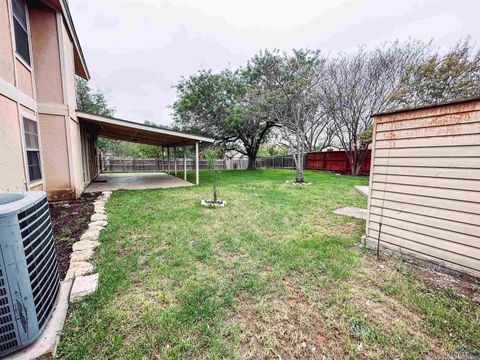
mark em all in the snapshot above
pixel 69 222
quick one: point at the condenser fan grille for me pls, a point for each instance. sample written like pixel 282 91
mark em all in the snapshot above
pixel 8 338
pixel 37 237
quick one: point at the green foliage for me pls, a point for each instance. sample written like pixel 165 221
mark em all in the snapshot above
pixel 272 150
pixel 366 135
pixel 226 106
pixel 212 154
pixel 206 100
pixel 148 151
pixel 91 101
pixel 118 148
pixel 454 75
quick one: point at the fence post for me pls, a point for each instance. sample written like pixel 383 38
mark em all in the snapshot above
pixel 184 163
pixel 163 159
pixel 175 159
pixel 168 159
pixel 197 172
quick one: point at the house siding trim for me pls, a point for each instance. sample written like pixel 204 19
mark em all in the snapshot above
pixel 10 91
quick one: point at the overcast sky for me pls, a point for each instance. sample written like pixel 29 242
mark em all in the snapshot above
pixel 137 50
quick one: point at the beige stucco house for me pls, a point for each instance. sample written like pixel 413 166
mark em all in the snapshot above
pixel 45 144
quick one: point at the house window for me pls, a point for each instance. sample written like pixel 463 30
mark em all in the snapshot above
pixel 33 149
pixel 20 29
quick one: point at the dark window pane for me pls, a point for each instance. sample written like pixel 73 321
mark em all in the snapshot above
pixel 19 12
pixel 21 41
pixel 34 172
pixel 31 134
pixel 30 125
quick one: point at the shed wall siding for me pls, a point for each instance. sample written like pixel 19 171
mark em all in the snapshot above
pixel 425 185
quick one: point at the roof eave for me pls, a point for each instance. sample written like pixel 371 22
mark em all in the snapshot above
pixel 81 68
pixel 112 120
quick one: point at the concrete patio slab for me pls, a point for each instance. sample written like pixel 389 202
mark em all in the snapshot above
pixel 352 211
pixel 135 181
pixel 362 190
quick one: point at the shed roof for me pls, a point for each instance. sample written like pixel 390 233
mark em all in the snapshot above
pixel 119 129
pixel 445 103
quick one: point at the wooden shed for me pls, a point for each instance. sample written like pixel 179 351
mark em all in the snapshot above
pixel 424 195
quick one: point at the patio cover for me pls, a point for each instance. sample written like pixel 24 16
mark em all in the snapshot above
pixel 119 129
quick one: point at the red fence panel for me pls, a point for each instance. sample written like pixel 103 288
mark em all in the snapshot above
pixel 334 161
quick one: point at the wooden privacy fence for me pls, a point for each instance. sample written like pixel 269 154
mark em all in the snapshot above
pixel 329 160
pixel 335 161
pixel 113 163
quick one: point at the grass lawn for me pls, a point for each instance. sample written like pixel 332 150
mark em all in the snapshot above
pixel 274 274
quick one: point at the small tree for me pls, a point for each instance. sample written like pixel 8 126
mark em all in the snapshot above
pixel 211 155
pixel 289 83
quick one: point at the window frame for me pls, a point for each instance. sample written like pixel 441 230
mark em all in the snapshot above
pixel 27 149
pixel 26 28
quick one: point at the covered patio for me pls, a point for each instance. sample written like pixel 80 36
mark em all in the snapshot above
pixel 175 143
pixel 135 181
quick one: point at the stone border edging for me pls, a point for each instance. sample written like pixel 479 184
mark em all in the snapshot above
pixel 80 270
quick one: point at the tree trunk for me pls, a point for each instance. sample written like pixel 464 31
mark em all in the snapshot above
pixel 356 169
pixel 357 161
pixel 252 162
pixel 299 178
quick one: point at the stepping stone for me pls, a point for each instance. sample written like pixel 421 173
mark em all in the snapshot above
pixel 352 211
pixel 85 245
pixel 97 217
pixel 81 255
pixel 100 211
pixel 90 234
pixel 83 286
pixel 362 190
pixel 78 268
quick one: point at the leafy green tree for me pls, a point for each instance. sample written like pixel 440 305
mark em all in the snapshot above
pixel 94 102
pixel 91 101
pixel 223 105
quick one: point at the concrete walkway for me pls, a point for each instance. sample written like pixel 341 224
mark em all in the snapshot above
pixel 362 190
pixel 135 181
pixel 353 212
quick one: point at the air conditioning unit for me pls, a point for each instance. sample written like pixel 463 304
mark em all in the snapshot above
pixel 29 280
